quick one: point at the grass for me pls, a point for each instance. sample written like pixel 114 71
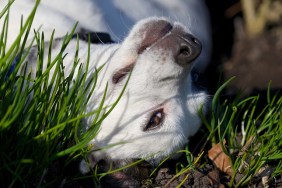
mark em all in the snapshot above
pixel 40 120
pixel 253 133
pixel 40 117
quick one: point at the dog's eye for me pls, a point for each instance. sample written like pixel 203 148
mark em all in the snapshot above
pixel 155 120
pixel 120 74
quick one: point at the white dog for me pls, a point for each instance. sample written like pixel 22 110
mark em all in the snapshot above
pixel 159 109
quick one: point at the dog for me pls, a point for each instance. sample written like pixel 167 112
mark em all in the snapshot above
pixel 164 58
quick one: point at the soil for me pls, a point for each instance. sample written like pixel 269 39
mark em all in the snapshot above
pixel 254 61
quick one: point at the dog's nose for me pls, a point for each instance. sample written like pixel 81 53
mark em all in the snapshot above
pixel 189 49
pixel 161 34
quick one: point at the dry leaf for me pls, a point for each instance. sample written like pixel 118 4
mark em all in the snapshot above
pixel 220 159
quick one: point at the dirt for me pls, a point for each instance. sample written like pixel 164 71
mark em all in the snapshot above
pixel 207 176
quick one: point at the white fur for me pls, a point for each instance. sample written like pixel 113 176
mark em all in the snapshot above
pixel 145 92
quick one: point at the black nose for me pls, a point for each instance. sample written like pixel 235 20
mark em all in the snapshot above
pixel 189 49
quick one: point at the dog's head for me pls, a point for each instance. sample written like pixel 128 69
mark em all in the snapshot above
pixel 159 109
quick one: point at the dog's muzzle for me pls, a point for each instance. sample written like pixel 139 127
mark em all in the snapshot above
pixel 184 46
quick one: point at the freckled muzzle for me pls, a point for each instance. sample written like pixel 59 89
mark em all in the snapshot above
pixel 161 34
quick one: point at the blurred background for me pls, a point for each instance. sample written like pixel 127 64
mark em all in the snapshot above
pixel 247 43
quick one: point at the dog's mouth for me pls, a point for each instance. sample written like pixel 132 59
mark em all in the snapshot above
pixel 161 29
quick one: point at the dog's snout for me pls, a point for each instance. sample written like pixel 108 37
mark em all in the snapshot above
pixel 185 47
pixel 189 49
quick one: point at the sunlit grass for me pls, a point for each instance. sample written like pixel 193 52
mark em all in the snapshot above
pixel 253 134
pixel 40 116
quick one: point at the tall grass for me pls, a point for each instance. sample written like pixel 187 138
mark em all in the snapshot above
pixel 252 129
pixel 41 116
